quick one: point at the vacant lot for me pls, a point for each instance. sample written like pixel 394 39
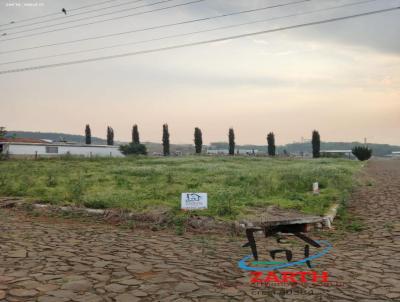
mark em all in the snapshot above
pixel 141 183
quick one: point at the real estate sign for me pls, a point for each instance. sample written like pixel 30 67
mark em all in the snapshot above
pixel 194 201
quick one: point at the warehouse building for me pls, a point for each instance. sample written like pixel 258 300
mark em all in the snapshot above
pixel 23 147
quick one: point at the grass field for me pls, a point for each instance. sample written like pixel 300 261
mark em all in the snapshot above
pixel 233 183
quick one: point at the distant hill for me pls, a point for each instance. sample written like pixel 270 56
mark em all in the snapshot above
pixel 378 149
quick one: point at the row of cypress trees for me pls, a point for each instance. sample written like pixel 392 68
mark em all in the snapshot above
pixel 198 140
pixel 88 136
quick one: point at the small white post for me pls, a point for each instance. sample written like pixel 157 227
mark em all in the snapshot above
pixel 315 188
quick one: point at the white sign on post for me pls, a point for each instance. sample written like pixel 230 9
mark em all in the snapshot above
pixel 194 201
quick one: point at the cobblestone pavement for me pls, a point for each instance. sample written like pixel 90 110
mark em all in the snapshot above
pixel 54 260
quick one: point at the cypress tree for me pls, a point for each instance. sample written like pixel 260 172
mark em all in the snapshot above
pixel 135 135
pixel 271 144
pixel 316 144
pixel 88 135
pixel 198 140
pixel 110 136
pixel 3 131
pixel 231 136
pixel 165 140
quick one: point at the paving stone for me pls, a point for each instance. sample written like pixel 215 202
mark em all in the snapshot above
pixel 101 263
pixel 2 294
pixel 130 282
pixel 138 293
pixel 20 292
pixel 139 268
pixel 115 288
pixel 126 298
pixel 47 287
pixel 99 277
pixel 62 293
pixel 17 254
pixel 89 297
pixel 5 279
pixel 51 299
pixel 78 286
pixel 380 290
pixel 230 291
pixel 185 287
pixel 393 295
pixel 28 284
pixel 48 277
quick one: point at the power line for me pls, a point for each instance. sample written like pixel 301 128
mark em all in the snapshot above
pixel 196 43
pixel 100 21
pixel 57 13
pixel 158 26
pixel 69 16
pixel 187 34
pixel 91 17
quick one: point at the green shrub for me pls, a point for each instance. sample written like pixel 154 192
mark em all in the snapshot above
pixel 362 153
pixel 133 148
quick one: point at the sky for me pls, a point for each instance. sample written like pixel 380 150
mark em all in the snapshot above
pixel 341 78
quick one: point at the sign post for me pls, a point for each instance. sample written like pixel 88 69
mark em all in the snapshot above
pixel 194 201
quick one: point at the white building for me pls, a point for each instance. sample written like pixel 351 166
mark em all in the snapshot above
pixel 396 154
pixel 218 151
pixel 346 153
pixel 226 151
pixel 20 147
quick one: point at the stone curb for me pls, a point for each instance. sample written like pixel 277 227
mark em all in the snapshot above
pixel 330 215
pixel 197 222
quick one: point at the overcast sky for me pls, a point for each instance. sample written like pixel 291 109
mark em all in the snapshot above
pixel 341 78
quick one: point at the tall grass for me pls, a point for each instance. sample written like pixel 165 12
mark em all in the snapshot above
pixel 140 183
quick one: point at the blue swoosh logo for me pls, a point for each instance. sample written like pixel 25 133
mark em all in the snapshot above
pixel 242 263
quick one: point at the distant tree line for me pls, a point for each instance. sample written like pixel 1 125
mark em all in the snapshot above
pixel 135 147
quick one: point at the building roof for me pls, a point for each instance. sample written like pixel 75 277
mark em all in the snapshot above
pixel 57 144
pixel 21 140
pixel 336 151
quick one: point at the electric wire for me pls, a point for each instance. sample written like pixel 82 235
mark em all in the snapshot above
pixel 70 16
pixel 186 34
pixel 160 26
pixel 56 13
pixel 154 50
pixel 99 21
